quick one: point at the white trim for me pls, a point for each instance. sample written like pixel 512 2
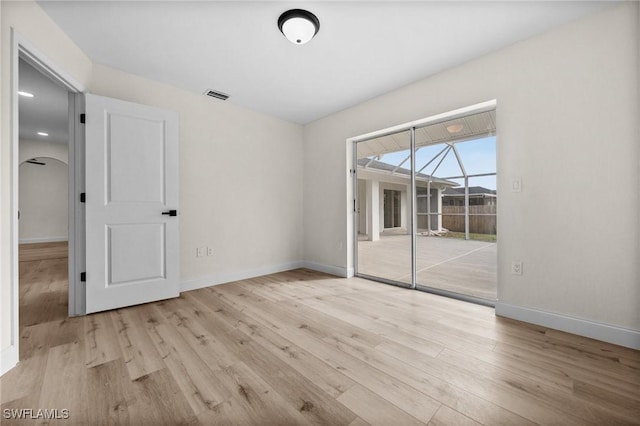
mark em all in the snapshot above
pixel 8 359
pixel 595 330
pixel 43 240
pixel 259 272
pixel 329 269
pixel 21 47
pixel 449 115
pixel 237 276
pixel 14 132
pixel 42 62
pixel 76 227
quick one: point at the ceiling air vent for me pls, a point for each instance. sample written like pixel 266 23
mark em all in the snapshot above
pixel 218 95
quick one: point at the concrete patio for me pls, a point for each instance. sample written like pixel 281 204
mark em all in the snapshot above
pixel 466 267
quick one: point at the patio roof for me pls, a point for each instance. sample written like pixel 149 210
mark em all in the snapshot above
pixel 452 131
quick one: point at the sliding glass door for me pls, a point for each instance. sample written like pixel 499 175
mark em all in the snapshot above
pixel 432 226
pixel 384 194
pixel 456 237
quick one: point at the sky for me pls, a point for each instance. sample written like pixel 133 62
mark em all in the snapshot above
pixel 478 156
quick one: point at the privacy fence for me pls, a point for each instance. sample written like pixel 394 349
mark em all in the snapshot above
pixel 482 219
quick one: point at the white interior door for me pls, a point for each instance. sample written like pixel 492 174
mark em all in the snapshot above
pixel 132 236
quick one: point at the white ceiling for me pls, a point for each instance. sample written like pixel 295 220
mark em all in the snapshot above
pixel 363 49
pixel 47 111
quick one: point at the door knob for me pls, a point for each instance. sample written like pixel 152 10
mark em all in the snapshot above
pixel 171 213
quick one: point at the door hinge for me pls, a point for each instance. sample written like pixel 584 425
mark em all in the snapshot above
pixel 83 276
pixel 83 197
pixel 83 118
pixel 354 205
pixel 352 172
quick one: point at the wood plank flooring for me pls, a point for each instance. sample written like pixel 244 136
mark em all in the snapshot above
pixel 302 347
pixel 42 251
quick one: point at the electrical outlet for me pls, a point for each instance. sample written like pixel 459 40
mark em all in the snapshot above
pixel 209 251
pixel 200 251
pixel 516 267
pixel 516 185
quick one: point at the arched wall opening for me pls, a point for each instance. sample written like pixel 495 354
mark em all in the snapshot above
pixel 43 200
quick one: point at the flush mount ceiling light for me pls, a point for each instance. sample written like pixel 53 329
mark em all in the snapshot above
pixel 298 26
pixel 25 94
pixel 454 128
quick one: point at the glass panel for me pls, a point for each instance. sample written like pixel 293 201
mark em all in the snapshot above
pixel 446 259
pixel 384 197
pixel 479 155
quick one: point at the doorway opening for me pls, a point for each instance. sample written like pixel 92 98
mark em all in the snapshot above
pixel 434 182
pixel 43 197
pixel 31 158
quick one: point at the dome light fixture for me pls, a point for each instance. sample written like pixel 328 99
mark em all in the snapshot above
pixel 298 26
pixel 455 128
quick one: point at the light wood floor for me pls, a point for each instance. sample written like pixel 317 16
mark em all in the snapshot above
pixel 44 283
pixel 42 251
pixel 302 347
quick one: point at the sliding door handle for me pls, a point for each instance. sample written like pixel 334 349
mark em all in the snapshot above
pixel 171 213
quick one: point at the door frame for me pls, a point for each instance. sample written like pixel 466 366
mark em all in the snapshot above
pixel 21 48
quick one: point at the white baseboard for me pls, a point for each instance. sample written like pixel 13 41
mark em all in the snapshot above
pixel 8 359
pixel 328 269
pixel 258 272
pixel 42 240
pixel 236 276
pixel 595 330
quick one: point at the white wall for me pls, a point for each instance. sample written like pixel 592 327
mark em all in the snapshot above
pixel 240 181
pixel 43 191
pixel 32 23
pixel 43 198
pixel 567 120
pixel 33 148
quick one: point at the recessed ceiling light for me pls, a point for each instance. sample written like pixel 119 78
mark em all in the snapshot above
pixel 454 128
pixel 298 26
pixel 25 94
pixel 43 134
